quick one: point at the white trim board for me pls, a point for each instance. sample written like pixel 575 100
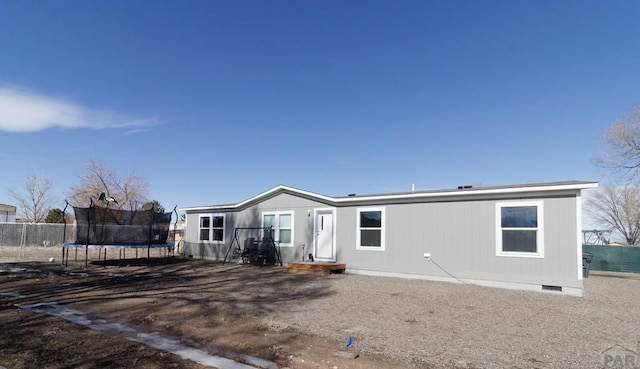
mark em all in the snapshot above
pixel 498 190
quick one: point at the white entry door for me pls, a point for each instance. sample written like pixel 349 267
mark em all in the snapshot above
pixel 324 240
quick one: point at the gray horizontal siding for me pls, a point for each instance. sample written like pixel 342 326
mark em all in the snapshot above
pixel 252 217
pixel 461 237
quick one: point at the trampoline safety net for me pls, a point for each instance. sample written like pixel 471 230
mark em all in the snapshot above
pixel 104 226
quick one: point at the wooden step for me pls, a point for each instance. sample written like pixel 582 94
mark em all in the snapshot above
pixel 318 268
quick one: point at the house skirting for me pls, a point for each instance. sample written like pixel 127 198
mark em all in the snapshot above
pixel 567 291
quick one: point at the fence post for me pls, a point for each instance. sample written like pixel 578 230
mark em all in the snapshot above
pixel 23 241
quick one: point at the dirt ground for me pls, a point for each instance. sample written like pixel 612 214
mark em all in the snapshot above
pixel 217 308
pixel 297 321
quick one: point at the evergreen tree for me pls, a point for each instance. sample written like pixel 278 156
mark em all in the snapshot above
pixel 54 216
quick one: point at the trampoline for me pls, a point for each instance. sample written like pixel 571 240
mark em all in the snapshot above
pixel 105 228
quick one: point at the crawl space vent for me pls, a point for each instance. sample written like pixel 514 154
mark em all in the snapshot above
pixel 551 288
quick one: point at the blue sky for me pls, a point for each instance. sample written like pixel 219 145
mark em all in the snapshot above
pixel 216 101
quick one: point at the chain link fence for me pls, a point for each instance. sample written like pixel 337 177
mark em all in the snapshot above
pixel 33 242
pixel 43 242
pixel 38 234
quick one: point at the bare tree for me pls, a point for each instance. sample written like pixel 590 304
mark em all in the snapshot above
pixel 621 152
pixel 36 200
pixel 129 191
pixel 618 208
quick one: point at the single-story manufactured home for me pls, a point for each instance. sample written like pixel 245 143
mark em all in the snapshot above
pixel 520 236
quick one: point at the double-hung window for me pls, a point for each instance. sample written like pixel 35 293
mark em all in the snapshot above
pixel 370 229
pixel 282 224
pixel 211 228
pixel 520 229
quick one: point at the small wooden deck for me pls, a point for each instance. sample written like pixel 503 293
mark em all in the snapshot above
pixel 319 268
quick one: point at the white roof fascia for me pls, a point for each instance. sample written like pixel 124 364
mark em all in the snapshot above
pixel 412 195
pixel 286 188
pixel 260 195
pixel 465 192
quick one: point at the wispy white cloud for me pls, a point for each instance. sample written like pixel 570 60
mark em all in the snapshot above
pixel 138 130
pixel 22 110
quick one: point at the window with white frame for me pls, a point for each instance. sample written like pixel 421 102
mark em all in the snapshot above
pixel 520 229
pixel 370 234
pixel 282 223
pixel 211 228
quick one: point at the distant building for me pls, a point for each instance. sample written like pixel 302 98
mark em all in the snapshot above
pixel 7 214
pixel 176 233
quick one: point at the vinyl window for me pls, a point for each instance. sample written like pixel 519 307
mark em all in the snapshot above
pixel 370 229
pixel 282 223
pixel 519 230
pixel 211 228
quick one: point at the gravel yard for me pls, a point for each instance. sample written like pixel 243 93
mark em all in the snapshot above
pixel 419 323
pixel 466 325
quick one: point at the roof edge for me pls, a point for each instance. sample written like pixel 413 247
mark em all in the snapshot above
pixel 512 189
pixel 538 187
pixel 279 188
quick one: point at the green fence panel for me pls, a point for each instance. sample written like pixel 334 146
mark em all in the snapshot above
pixel 614 258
